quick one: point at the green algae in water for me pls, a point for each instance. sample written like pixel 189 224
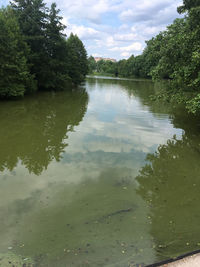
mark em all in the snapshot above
pixel 95 178
pixel 11 259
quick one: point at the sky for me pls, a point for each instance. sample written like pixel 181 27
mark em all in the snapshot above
pixel 115 28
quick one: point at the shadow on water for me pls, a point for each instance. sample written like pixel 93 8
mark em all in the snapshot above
pixel 34 130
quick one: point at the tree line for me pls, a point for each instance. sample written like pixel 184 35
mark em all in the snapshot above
pixel 34 51
pixel 174 55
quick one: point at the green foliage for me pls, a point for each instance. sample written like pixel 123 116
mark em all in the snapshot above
pixel 130 67
pixel 180 58
pixel 173 54
pixel 170 56
pixel 193 105
pixel 32 16
pixel 34 53
pixel 188 5
pixel 122 67
pixel 92 66
pixel 135 67
pixel 152 54
pixel 77 59
pixel 104 67
pixel 15 78
pixel 55 73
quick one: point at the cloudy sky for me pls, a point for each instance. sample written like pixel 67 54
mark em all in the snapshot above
pixel 116 28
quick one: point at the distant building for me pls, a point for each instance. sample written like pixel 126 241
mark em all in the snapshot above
pixel 105 59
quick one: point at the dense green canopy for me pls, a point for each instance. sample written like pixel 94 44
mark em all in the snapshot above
pixel 15 77
pixel 77 63
pixel 188 5
pixel 34 51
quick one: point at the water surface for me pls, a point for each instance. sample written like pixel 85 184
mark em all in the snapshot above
pixel 98 176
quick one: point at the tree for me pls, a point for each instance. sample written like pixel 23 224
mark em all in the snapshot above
pixel 188 5
pixel 171 58
pixel 121 66
pixel 32 17
pixel 92 65
pixel 15 78
pixel 77 59
pixel 56 72
pixel 34 51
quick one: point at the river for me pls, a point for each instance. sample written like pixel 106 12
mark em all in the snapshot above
pixel 98 176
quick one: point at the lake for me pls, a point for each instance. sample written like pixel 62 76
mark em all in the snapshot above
pixel 98 176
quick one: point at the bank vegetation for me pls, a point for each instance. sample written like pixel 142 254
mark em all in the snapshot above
pixel 173 55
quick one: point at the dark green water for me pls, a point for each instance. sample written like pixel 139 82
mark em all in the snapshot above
pixel 99 176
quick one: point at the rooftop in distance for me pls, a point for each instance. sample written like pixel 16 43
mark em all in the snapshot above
pixel 106 59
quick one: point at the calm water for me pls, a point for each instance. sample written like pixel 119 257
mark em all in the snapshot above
pixel 99 176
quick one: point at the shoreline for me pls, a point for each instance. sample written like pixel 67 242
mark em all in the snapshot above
pixel 189 261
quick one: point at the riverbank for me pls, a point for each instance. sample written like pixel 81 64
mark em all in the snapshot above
pixel 110 77
pixel 190 261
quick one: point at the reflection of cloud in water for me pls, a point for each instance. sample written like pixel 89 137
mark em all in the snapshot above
pixel 73 215
pixel 94 177
pixel 73 168
pixel 97 144
pixel 115 122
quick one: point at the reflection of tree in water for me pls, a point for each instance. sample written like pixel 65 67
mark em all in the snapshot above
pixel 177 113
pixel 142 90
pixel 170 184
pixel 128 85
pixel 170 181
pixel 33 130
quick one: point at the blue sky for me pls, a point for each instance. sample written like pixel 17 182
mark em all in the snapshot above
pixel 116 28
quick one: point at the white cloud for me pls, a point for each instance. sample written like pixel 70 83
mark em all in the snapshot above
pixel 125 37
pixel 87 9
pixel 125 54
pixel 152 30
pixel 110 41
pixel 96 55
pixel 83 32
pixel 124 27
pixel 134 47
pixel 127 15
pixel 114 28
pixel 131 48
